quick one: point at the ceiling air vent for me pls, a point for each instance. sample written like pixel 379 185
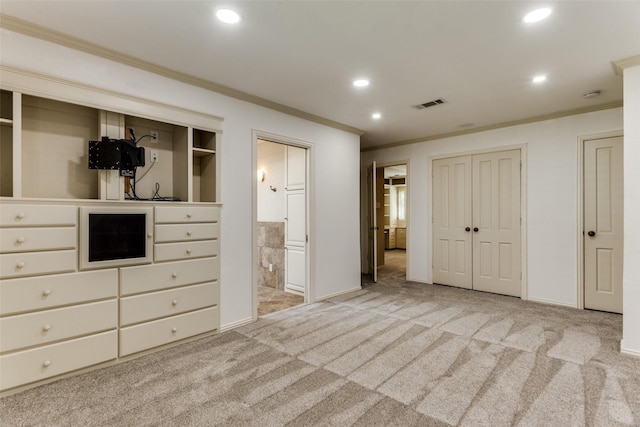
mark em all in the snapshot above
pixel 430 104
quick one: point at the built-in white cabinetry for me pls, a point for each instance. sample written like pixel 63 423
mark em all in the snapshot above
pixel 61 312
pixel 169 301
pixel 55 319
pixel 50 323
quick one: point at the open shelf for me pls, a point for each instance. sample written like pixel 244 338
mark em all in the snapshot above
pixel 204 166
pixel 44 153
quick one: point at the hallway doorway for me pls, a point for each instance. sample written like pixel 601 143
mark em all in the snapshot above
pixel 281 226
pixel 393 264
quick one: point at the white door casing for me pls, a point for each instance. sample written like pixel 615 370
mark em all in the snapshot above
pixel 372 221
pixel 603 224
pixel 477 222
pixel 295 220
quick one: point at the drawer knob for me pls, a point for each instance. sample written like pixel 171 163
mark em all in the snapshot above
pixel 174 275
pixel 174 302
pixel 46 328
pixel 46 292
pixel 188 251
pixel 21 215
pixel 20 239
pixel 46 363
pixel 189 233
pixel 174 330
pixel 149 235
pixel 189 215
pixel 20 264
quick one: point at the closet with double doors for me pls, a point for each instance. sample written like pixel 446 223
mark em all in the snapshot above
pixel 477 221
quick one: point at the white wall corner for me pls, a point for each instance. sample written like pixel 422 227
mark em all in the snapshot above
pixel 631 269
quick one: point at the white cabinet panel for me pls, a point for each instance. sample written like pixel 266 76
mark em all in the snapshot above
pixel 188 250
pixel 37 239
pixel 185 232
pixel 148 278
pixel 38 293
pixel 148 335
pixel 43 327
pixel 186 214
pixel 34 263
pixel 145 307
pixel 45 362
pixel 15 215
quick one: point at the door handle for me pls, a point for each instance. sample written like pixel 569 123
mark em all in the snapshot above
pixel 476 229
pixel 467 229
pixel 591 233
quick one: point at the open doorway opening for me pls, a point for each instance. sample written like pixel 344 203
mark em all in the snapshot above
pixel 394 197
pixel 281 226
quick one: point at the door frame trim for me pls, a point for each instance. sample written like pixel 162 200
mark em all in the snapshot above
pixel 580 207
pixel 309 294
pixel 524 294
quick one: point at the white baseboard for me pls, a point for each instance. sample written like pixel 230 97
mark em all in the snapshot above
pixel 544 301
pixel 236 324
pixel 357 288
pixel 628 351
pixel 411 279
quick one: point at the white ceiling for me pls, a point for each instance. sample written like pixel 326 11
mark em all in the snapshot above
pixel 477 55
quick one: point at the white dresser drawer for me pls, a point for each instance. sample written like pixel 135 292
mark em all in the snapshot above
pixel 156 277
pixel 26 330
pixel 34 263
pixel 27 215
pixel 187 250
pixel 185 232
pixel 37 239
pixel 45 362
pixel 141 308
pixel 148 335
pixel 174 214
pixel 37 293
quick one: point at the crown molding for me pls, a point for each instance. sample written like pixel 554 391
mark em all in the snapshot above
pixel 621 64
pixel 556 115
pixel 33 30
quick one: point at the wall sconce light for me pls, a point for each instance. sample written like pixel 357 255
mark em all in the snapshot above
pixel 261 175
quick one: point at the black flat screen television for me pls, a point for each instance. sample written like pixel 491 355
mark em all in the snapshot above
pixel 117 236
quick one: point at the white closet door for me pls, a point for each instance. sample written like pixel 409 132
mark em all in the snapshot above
pixel 452 236
pixel 496 222
pixel 295 221
pixel 603 220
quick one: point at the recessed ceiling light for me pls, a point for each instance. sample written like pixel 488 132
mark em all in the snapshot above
pixel 228 16
pixel 361 83
pixel 376 116
pixel 537 15
pixel 539 79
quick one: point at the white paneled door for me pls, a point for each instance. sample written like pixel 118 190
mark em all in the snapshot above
pixel 296 220
pixel 603 219
pixel 476 222
pixel 452 237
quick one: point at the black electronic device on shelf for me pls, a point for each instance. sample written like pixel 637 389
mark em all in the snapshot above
pixel 116 154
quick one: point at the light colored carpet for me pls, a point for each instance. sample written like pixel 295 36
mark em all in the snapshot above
pixel 393 354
